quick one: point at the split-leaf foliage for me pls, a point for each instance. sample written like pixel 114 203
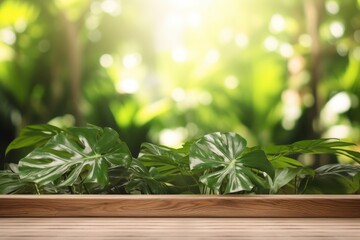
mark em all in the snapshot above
pixel 88 160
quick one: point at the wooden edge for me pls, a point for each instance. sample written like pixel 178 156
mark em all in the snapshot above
pixel 274 206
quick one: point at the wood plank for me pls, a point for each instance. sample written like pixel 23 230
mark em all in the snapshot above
pixel 180 228
pixel 336 206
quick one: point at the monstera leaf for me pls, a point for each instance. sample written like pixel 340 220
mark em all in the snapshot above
pixel 146 180
pixel 224 163
pixel 166 160
pixel 34 135
pixel 10 183
pixel 335 179
pixel 80 154
pixel 171 166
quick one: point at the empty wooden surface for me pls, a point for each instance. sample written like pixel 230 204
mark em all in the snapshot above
pixel 339 206
pixel 179 228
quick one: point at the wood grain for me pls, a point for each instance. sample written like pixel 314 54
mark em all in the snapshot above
pixel 274 206
pixel 180 228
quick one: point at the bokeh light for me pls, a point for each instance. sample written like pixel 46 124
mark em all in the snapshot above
pixel 170 70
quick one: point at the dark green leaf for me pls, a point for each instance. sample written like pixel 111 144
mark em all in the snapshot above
pixel 221 158
pixel 10 183
pixel 167 160
pixel 285 162
pixel 145 180
pixel 33 136
pixel 282 177
pixel 87 156
pixel 335 179
pixel 318 146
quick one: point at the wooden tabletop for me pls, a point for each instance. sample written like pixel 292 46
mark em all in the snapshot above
pixel 272 206
pixel 93 217
pixel 180 228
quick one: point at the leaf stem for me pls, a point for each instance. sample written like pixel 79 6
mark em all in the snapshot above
pixel 71 189
pixel 83 185
pixel 306 184
pixel 37 189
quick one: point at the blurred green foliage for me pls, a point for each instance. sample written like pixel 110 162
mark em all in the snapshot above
pixel 170 70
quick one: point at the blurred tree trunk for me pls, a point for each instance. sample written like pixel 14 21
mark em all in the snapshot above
pixel 313 12
pixel 74 58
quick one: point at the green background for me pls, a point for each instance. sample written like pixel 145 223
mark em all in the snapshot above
pixel 166 71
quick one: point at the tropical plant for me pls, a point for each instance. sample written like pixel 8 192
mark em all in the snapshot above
pixel 82 160
pixel 276 71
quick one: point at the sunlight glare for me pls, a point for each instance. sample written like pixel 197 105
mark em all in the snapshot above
pixel 6 53
pixel 111 7
pixel 20 25
pixel 194 19
pixel 291 108
pixel 178 95
pixel 332 7
pixel 231 82
pixel 106 60
pixel 226 35
pixel 337 29
pixel 277 23
pixel 339 103
pixel 7 36
pixel 271 43
pixel 286 50
pixel 241 40
pixel 173 137
pixel 296 64
pixel 338 131
pixel 212 56
pixel 127 85
pixel 131 60
pixel 179 54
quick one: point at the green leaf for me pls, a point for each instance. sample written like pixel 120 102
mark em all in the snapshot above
pixel 145 180
pixel 84 155
pixel 168 161
pixel 33 136
pixel 221 158
pixel 185 147
pixel 318 146
pixel 118 177
pixel 285 162
pixel 10 183
pixel 335 179
pixel 282 177
pixel 172 167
